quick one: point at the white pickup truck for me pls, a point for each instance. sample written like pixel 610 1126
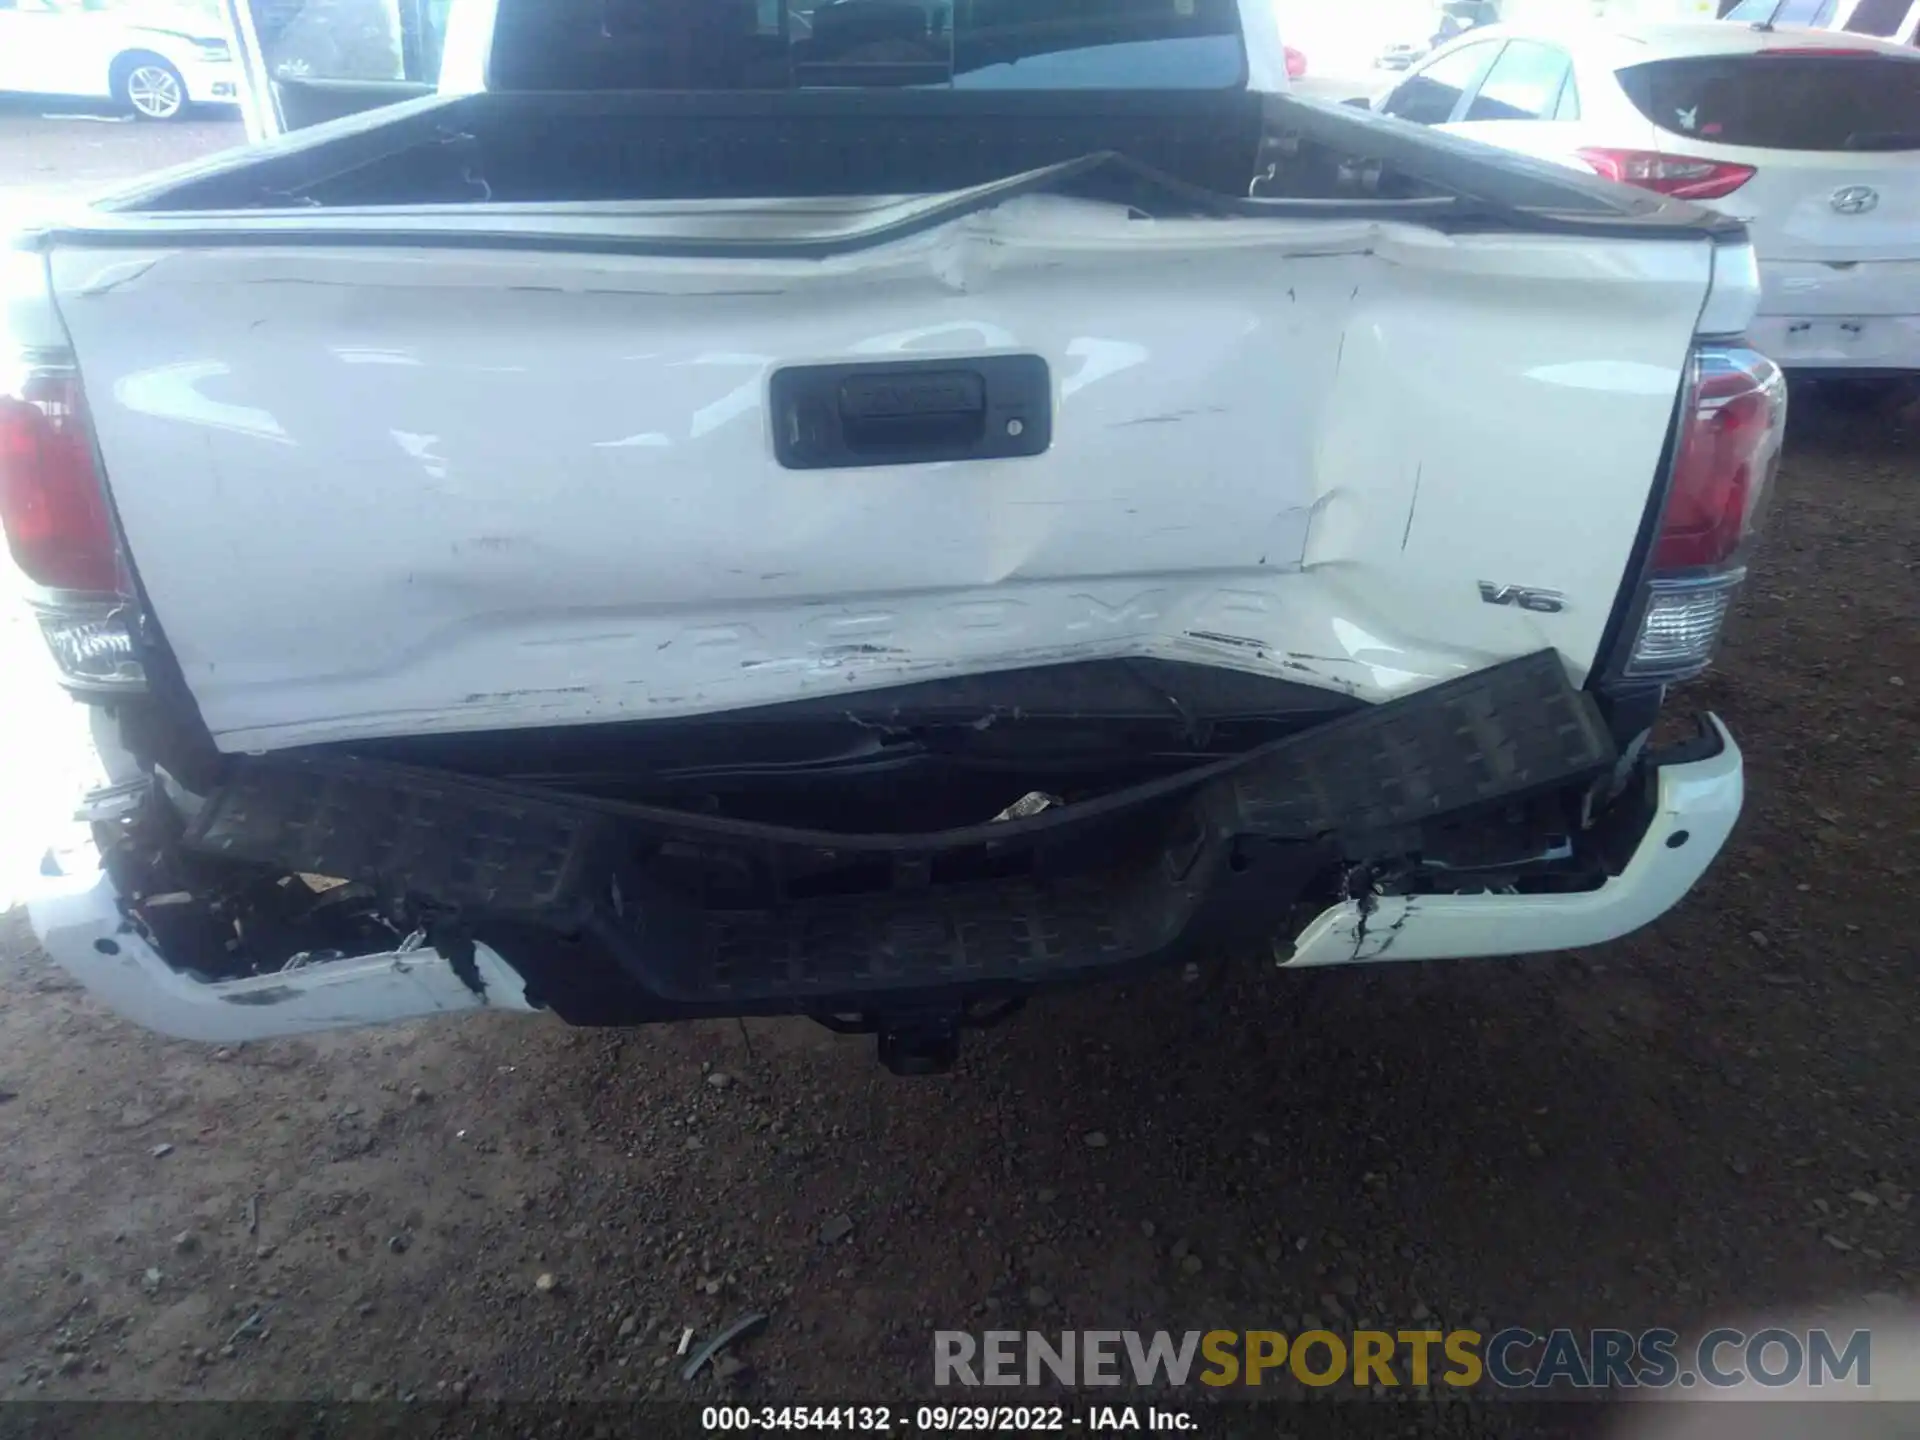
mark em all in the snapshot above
pixel 942 501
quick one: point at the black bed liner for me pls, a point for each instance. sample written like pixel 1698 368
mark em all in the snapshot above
pixel 1228 154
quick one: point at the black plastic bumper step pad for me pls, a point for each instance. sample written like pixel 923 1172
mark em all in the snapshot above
pixel 459 846
pixel 1497 733
pixel 1009 931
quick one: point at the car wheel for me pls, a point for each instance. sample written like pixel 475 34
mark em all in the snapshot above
pixel 150 87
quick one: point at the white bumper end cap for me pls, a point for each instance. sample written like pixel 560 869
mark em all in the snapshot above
pixel 79 923
pixel 1696 806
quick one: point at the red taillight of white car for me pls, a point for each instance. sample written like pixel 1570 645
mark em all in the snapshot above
pixel 1733 420
pixel 53 499
pixel 1296 64
pixel 1683 177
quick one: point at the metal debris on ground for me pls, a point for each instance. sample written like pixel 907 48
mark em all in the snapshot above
pixel 745 1328
pixel 249 1325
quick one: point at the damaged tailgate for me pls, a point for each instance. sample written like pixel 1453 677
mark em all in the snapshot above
pixel 375 487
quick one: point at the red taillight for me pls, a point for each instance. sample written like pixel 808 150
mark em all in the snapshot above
pixel 1677 175
pixel 1296 64
pixel 1733 418
pixel 51 499
pixel 1729 446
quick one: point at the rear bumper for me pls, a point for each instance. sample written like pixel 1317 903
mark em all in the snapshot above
pixel 1862 318
pixel 80 923
pixel 1859 344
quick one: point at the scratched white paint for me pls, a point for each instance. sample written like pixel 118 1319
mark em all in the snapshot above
pixel 1290 447
pixel 1697 804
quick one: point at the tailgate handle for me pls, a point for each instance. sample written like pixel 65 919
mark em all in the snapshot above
pixel 915 412
pixel 930 409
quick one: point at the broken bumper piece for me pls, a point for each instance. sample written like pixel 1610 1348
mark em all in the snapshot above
pixel 568 904
pixel 81 925
pixel 1697 803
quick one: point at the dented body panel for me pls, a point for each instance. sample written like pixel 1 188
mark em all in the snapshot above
pixel 400 490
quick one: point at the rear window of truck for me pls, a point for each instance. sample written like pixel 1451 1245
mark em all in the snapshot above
pixel 1783 102
pixel 788 44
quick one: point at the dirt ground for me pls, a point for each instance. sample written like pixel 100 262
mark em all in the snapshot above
pixel 1717 1116
pixel 67 147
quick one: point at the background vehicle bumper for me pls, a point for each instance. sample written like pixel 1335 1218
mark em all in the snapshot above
pixel 1695 810
pixel 211 82
pixel 1866 344
pixel 1861 317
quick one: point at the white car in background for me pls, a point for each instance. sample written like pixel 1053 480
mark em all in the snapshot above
pixel 1888 19
pixel 1811 137
pixel 156 59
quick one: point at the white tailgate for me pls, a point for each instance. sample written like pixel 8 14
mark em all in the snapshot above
pixel 398 490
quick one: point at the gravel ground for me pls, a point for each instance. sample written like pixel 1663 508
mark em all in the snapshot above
pixel 1715 1117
